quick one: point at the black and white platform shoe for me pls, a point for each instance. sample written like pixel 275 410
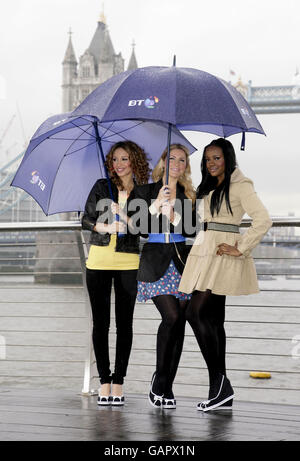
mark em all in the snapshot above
pixel 117 400
pixel 154 399
pixel 104 400
pixel 223 397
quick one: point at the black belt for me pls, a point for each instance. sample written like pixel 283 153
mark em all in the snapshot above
pixel 221 227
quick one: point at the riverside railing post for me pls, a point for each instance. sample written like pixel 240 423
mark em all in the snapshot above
pixel 86 389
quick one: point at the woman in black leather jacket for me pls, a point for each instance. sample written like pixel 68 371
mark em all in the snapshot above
pixel 113 256
pixel 170 209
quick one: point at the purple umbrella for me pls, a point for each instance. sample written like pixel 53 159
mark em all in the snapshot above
pixel 66 156
pixel 188 98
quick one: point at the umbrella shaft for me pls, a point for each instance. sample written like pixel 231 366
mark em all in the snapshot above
pixel 98 139
pixel 105 169
pixel 168 154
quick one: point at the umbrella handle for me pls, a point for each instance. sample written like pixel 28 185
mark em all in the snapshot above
pixel 168 153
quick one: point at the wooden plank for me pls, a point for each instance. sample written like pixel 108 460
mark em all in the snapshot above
pixel 59 369
pixel 265 298
pixel 43 324
pixel 46 354
pixel 42 309
pixel 38 338
pixel 262 314
pixel 21 383
pixel 44 293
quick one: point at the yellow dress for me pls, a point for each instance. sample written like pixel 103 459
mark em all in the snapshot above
pixel 227 275
pixel 106 258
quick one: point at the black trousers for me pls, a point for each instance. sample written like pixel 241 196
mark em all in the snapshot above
pixel 99 284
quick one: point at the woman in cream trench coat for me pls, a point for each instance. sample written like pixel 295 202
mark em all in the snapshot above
pixel 220 261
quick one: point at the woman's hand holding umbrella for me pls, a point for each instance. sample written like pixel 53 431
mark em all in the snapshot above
pixel 121 217
pixel 168 210
pixel 163 197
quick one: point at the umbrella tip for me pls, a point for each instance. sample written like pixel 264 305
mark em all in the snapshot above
pixel 174 60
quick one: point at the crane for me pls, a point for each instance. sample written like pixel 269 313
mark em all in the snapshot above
pixel 7 128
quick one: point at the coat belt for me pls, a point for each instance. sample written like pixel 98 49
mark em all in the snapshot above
pixel 221 227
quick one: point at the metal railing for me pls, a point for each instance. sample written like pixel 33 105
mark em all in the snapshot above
pixel 45 324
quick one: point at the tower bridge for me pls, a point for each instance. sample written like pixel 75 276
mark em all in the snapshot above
pixel 275 99
pixel 281 99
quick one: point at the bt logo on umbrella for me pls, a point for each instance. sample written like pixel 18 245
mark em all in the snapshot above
pixel 36 180
pixel 149 102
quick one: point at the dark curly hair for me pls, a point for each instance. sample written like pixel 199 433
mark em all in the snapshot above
pixel 138 162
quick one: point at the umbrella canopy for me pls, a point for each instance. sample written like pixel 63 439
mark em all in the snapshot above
pixel 63 159
pixel 188 98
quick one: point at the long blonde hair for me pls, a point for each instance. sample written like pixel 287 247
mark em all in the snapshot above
pixel 184 180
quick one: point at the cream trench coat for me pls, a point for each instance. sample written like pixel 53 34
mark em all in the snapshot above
pixel 227 275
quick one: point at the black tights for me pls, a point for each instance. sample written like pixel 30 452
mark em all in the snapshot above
pixel 170 336
pixel 99 284
pixel 206 315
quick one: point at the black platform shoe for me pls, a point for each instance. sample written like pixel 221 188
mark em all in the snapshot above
pixel 223 396
pixel 154 399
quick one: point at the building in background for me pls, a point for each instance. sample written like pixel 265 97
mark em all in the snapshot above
pixel 98 63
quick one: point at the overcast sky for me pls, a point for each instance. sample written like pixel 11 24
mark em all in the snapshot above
pixel 257 39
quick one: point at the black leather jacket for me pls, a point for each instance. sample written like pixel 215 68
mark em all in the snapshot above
pixel 156 257
pixel 127 243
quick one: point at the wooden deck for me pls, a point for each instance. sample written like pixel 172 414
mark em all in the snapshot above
pixel 60 415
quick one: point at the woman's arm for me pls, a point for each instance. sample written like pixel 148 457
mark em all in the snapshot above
pixel 91 213
pixel 90 216
pixel 261 221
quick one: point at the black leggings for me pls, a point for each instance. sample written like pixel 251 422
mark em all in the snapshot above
pixel 206 315
pixel 99 284
pixel 170 337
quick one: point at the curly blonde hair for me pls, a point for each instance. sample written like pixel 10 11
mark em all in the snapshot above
pixel 138 162
pixel 185 180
